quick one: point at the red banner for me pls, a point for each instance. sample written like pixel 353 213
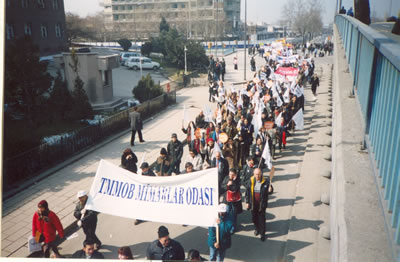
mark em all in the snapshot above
pixel 287 71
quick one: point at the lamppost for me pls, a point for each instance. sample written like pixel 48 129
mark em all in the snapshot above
pixel 245 37
pixel 185 60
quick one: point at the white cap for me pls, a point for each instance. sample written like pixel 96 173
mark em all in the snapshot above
pixel 222 208
pixel 81 193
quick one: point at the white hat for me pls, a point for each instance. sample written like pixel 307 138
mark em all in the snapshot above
pixel 81 193
pixel 222 208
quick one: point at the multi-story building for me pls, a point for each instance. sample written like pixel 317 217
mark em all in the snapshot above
pixel 199 19
pixel 42 20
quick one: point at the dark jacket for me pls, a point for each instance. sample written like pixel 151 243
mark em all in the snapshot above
pixel 225 227
pixel 223 171
pixel 246 174
pixel 174 251
pixel 263 191
pixel 129 164
pixel 163 166
pixel 175 150
pixel 81 254
pixel 90 217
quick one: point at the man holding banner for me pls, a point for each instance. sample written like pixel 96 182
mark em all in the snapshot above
pixel 219 237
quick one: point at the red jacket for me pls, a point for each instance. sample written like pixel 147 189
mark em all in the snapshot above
pixel 47 228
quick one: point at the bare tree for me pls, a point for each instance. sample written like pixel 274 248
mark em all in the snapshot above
pixel 304 16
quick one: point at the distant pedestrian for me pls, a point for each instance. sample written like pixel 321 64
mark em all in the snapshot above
pixel 257 201
pixel 88 251
pixel 136 125
pixel 45 224
pixel 87 219
pixel 165 248
pixel 129 160
pixel 253 64
pixel 223 69
pixel 235 63
pixel 175 151
pixel 218 244
pixel 342 11
pixel 125 253
pixel 314 84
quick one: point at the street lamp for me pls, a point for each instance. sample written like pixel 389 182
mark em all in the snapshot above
pixel 245 37
pixel 185 61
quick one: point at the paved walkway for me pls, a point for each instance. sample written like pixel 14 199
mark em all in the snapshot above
pixel 294 214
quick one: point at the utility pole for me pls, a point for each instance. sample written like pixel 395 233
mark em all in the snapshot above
pixel 245 37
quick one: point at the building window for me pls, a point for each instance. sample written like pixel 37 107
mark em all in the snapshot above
pixel 174 5
pixel 115 7
pixel 129 7
pixel 28 29
pixel 10 31
pixel 115 17
pixel 24 3
pixel 122 7
pixel 55 4
pixel 41 4
pixel 43 30
pixel 58 30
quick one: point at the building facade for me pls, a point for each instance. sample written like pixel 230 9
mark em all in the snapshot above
pixel 197 19
pixel 42 20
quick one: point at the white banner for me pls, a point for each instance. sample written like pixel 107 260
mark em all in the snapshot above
pixel 190 199
pixel 298 119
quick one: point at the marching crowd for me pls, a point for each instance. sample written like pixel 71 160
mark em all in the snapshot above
pixel 240 138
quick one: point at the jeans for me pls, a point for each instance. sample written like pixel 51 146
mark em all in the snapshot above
pixel 90 232
pixel 133 136
pixel 217 254
pixel 233 213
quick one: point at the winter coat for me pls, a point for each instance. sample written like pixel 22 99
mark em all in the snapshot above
pixel 163 166
pixel 263 191
pixel 225 227
pixel 129 164
pixel 90 217
pixel 47 225
pixel 175 150
pixel 136 121
pixel 174 251
pixel 223 171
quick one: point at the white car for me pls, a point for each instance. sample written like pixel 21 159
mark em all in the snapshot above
pixel 134 63
pixel 124 57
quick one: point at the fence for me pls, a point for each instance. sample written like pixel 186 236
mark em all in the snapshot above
pixel 47 155
pixel 374 62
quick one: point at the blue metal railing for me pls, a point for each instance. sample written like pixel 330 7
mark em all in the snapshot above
pixel 374 63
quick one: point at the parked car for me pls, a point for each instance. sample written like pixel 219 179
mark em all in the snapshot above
pixel 124 56
pixel 147 63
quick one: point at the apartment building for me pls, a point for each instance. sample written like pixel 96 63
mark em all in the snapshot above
pixel 42 20
pixel 197 19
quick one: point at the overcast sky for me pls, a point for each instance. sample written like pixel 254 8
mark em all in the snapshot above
pixel 268 11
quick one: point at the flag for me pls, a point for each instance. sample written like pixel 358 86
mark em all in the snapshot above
pixel 219 116
pixel 216 149
pixel 185 116
pixel 298 119
pixel 207 114
pixel 278 120
pixel 286 96
pixel 231 106
pixel 279 101
pixel 297 91
pixel 192 137
pixel 266 155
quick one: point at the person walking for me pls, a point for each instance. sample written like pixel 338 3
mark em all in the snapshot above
pixel 314 84
pixel 233 197
pixel 88 251
pixel 219 244
pixel 136 125
pixel 45 224
pixel 235 63
pixel 165 248
pixel 223 68
pixel 175 151
pixel 87 219
pixel 257 201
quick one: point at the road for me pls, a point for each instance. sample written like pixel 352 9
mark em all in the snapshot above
pixel 115 232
